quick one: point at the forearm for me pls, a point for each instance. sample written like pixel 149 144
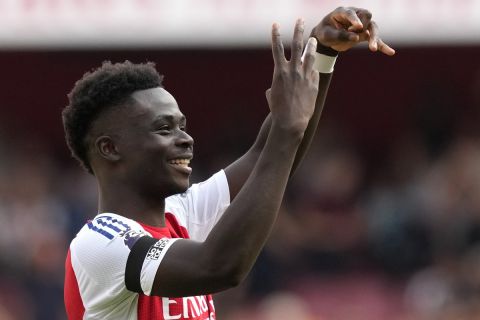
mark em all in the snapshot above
pixel 238 237
pixel 324 84
pixel 257 147
pixel 266 181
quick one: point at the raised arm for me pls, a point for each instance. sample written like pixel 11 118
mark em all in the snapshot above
pixel 340 30
pixel 227 255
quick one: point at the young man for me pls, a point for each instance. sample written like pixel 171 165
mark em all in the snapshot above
pixel 157 249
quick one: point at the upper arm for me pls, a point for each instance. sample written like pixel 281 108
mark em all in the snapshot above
pixel 239 171
pixel 189 268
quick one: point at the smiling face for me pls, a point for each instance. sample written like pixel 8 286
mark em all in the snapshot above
pixel 154 150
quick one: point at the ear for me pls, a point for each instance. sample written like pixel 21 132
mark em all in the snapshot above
pixel 107 148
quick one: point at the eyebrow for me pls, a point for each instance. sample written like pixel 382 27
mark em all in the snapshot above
pixel 170 118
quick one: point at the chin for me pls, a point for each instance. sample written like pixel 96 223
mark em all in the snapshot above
pixel 181 186
pixel 184 189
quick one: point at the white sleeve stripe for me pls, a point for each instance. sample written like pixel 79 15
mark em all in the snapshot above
pixel 151 263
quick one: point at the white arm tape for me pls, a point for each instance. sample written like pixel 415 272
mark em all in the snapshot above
pixel 323 63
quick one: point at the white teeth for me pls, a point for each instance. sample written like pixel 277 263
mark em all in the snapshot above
pixel 181 162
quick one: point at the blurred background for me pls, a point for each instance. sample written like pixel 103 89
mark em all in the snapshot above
pixel 381 221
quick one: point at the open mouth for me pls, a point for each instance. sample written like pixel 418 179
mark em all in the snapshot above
pixel 181 164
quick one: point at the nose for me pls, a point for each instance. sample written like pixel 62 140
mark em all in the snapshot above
pixel 184 140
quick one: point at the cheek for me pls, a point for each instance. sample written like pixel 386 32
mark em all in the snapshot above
pixel 155 146
pixel 155 158
pixel 146 153
pixel 157 150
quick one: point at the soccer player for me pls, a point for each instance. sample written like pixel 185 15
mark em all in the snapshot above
pixel 158 248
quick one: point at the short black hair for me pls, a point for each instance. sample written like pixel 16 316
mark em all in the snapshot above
pixel 104 87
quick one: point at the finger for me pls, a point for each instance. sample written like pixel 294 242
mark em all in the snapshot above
pixel 373 40
pixel 333 35
pixel 349 19
pixel 375 43
pixel 309 55
pixel 297 42
pixel 364 36
pixel 316 78
pixel 277 45
pixel 364 15
pixel 385 48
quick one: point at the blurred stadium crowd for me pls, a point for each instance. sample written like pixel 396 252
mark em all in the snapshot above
pixel 381 221
pixel 396 238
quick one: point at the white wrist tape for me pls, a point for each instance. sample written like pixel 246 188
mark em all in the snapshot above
pixel 323 63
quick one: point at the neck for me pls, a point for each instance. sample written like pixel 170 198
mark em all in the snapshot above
pixel 126 201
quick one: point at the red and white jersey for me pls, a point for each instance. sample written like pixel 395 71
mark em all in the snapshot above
pixel 112 262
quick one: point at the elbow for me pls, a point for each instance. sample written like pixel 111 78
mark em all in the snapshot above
pixel 225 266
pixel 233 278
pixel 229 274
pixel 236 276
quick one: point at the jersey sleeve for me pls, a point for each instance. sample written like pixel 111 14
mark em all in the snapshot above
pixel 200 208
pixel 113 257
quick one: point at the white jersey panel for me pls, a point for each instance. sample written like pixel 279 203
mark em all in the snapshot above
pixel 201 206
pixel 99 256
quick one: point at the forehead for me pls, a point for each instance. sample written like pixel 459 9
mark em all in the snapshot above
pixel 154 103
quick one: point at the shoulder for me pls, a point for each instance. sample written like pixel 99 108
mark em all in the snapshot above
pixel 98 257
pixel 107 236
pixel 107 227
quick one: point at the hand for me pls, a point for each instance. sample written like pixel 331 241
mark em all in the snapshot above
pixel 343 28
pixel 295 84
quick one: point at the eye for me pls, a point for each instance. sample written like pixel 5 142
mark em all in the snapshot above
pixel 163 130
pixel 183 128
